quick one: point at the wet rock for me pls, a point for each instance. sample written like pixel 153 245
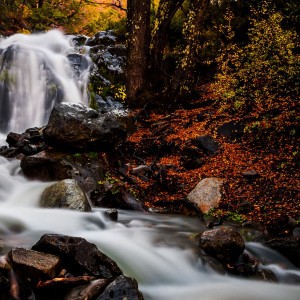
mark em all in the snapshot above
pixel 79 64
pixel 102 38
pixel 77 127
pixel 34 265
pixel 14 138
pixel 232 130
pixel 46 166
pixel 78 40
pixel 28 143
pixel 107 104
pixel 122 288
pixel 288 247
pixel 207 143
pixel 78 256
pixel 65 194
pixel 265 275
pixel 112 214
pixel 224 244
pixel 118 197
pixel 207 194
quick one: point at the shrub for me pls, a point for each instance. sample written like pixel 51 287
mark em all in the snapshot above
pixel 262 77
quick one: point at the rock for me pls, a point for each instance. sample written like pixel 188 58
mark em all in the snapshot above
pixel 288 247
pixel 191 157
pixel 140 170
pixel 77 127
pixel 207 143
pixel 232 130
pixel 102 38
pixel 112 214
pixel 46 166
pixel 223 243
pixel 281 226
pixel 122 288
pixel 65 194
pixel 88 292
pixel 34 265
pixel 28 143
pixel 207 194
pixel 14 138
pixel 78 256
pixel 79 64
pixel 118 197
pixel 250 174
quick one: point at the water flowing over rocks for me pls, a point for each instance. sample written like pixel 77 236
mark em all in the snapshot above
pixel 64 267
pixel 48 80
pixel 65 194
pixel 224 243
pixel 207 194
pixel 77 127
pixel 288 247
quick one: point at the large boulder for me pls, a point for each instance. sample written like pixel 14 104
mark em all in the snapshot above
pixel 65 194
pixel 78 256
pixel 78 127
pixel 46 166
pixel 207 194
pixel 224 243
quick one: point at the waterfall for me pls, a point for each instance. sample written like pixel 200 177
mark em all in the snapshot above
pixel 35 74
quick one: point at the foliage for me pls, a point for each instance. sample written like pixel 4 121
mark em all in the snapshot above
pixel 260 77
pixel 73 16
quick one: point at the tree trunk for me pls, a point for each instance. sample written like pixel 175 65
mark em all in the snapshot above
pixel 138 42
pixel 184 77
pixel 165 12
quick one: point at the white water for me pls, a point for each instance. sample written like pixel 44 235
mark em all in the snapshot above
pixel 35 74
pixel 154 249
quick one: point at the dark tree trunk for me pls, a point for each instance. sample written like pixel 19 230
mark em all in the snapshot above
pixel 184 77
pixel 138 42
pixel 165 12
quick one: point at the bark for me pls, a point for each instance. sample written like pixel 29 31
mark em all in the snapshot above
pixel 165 13
pixel 138 42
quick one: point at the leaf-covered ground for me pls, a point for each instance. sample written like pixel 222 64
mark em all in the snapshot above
pixel 163 142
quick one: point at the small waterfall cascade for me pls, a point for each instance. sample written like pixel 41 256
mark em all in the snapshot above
pixel 36 74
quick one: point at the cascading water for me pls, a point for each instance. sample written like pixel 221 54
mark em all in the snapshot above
pixel 35 74
pixel 154 249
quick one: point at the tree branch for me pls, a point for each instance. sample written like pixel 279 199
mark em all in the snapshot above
pixel 115 3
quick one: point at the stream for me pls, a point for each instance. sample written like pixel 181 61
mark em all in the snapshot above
pixel 154 249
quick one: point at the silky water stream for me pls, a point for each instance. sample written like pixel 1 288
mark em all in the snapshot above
pixel 154 249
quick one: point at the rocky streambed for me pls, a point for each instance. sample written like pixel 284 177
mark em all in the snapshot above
pixel 79 149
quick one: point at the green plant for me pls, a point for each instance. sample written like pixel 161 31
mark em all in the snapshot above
pixel 262 75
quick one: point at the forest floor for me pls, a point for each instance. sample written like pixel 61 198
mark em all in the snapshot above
pixel 163 142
